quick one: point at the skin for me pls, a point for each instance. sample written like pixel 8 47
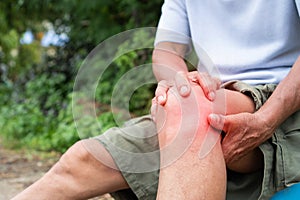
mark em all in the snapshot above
pixel 169 68
pixel 78 175
pixel 176 179
pixel 181 117
pixel 259 126
pixel 244 131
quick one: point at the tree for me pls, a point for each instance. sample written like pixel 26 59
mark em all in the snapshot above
pixel 36 82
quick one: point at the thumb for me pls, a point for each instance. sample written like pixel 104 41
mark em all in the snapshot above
pixel 217 121
pixel 182 84
pixel 161 92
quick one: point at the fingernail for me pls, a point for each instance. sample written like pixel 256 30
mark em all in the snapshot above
pixel 214 117
pixel 160 99
pixel 211 95
pixel 183 90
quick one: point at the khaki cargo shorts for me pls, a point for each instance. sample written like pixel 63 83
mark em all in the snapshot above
pixel 281 155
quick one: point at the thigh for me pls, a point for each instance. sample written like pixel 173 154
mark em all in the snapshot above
pixel 134 149
pixel 235 102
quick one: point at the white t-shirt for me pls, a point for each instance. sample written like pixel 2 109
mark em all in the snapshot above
pixel 256 41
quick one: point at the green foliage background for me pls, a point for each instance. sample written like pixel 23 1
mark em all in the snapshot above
pixel 36 82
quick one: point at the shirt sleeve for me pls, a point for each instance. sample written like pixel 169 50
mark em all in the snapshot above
pixel 298 6
pixel 173 25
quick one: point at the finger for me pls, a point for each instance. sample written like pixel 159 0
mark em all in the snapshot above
pixel 207 82
pixel 208 85
pixel 182 84
pixel 153 110
pixel 218 122
pixel 218 82
pixel 161 92
pixel 214 85
pixel 194 76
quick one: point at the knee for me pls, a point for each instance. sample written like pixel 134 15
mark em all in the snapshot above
pixel 77 152
pixel 194 101
pixel 174 101
pixel 72 160
pixel 84 155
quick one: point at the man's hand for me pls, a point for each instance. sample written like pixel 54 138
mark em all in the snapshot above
pixel 244 132
pixel 182 82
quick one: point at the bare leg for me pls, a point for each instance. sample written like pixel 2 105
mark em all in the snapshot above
pixel 189 177
pixel 77 175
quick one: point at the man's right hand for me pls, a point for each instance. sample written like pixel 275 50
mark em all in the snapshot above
pixel 182 82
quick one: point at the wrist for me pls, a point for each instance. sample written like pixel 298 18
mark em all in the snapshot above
pixel 267 121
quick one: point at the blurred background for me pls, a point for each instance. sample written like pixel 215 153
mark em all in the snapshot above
pixel 42 44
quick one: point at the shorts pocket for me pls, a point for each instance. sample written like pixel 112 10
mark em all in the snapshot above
pixel 291 149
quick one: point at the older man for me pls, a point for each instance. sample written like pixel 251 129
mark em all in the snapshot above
pixel 256 42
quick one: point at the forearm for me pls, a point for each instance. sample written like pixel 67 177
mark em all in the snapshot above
pixel 167 60
pixel 284 101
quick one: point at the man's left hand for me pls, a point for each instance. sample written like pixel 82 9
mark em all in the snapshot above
pixel 244 132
